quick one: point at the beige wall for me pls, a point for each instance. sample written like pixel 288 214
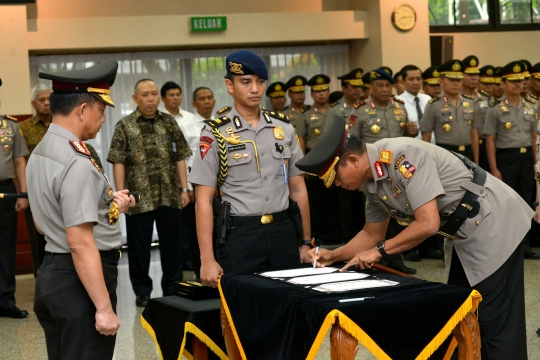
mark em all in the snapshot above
pixel 497 48
pixel 14 67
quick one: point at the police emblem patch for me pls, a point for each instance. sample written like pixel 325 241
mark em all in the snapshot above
pixel 407 170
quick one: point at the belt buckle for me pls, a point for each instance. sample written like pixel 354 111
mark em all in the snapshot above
pixel 448 236
pixel 267 219
pixel 480 142
pixel 522 150
pixel 461 148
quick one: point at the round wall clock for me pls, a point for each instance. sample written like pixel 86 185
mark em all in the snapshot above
pixel 404 17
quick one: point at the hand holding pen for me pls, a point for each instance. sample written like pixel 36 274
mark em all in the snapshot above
pixel 317 245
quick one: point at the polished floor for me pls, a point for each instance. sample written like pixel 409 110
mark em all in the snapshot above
pixel 24 339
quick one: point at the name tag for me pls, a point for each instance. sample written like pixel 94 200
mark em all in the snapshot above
pixel 236 147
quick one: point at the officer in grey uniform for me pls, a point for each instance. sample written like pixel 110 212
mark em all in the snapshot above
pixel 483 250
pixel 12 165
pixel 75 207
pixel 249 155
pixel 351 86
pixel 296 90
pixel 510 130
pixel 430 82
pixel 450 115
pixel 481 105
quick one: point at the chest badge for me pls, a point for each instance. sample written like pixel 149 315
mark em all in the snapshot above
pixel 508 125
pixel 447 128
pixel 316 132
pixel 6 147
pixel 109 192
pixel 396 190
pixel 237 156
pixel 279 134
pixel 375 129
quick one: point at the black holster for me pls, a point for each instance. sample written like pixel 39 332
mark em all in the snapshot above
pixel 222 212
pixel 294 212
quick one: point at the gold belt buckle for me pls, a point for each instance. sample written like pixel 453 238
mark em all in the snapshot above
pixel 461 148
pixel 267 219
pixel 480 142
pixel 523 150
pixel 448 236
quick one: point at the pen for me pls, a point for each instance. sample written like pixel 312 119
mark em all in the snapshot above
pixel 356 299
pixel 317 244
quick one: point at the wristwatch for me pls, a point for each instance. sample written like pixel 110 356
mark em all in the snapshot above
pixel 184 190
pixel 380 247
pixel 306 243
pixel 535 204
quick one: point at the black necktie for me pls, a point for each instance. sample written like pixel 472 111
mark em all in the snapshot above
pixel 418 110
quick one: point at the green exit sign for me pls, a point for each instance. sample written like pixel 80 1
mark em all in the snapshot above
pixel 209 23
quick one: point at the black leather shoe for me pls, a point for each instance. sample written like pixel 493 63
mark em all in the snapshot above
pixel 402 268
pixel 411 255
pixel 14 313
pixel 142 300
pixel 538 331
pixel 531 255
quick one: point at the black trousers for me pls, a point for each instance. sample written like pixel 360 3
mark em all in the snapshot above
pixel 8 242
pixel 188 215
pixel 139 228
pixel 352 211
pixel 66 312
pixel 325 221
pixel 482 155
pixel 254 246
pixel 37 241
pixel 501 313
pixel 466 152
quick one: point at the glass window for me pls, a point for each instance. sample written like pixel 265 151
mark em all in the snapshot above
pixel 458 12
pixel 519 11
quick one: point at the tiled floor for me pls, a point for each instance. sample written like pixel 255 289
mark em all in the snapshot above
pixel 24 339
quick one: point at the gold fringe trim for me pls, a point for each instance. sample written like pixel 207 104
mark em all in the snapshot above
pixel 231 324
pixel 327 323
pixel 195 331
pixel 148 328
pixel 186 354
pixel 470 304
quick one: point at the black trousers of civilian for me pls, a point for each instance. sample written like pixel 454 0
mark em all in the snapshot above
pixel 66 312
pixel 501 312
pixel 188 214
pixel 253 246
pixel 139 228
pixel 8 241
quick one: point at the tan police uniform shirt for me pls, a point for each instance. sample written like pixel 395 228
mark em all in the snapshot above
pixel 312 126
pixel 13 147
pixel 66 189
pixel 295 114
pixel 337 109
pixel 452 124
pixel 481 106
pixel 250 192
pixel 511 125
pixel 408 173
pixel 370 123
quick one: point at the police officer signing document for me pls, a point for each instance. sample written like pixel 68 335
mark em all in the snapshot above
pixel 429 189
pixel 249 155
pixel 74 206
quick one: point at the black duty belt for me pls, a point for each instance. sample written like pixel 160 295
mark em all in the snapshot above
pixel 455 148
pixel 6 182
pixel 258 220
pixel 114 254
pixel 522 150
pixel 468 206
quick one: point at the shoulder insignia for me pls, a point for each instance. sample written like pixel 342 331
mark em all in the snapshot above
pixel 434 99
pixel 484 93
pixel 534 97
pixel 223 110
pixel 10 118
pixel 468 96
pixel 358 104
pixel 278 115
pixel 285 108
pixel 80 148
pixel 532 101
pixel 494 102
pixel 334 104
pixel 399 100
pixel 305 108
pixel 218 122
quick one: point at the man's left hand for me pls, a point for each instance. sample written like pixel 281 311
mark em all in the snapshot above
pixel 184 199
pixel 21 204
pixel 412 129
pixel 123 201
pixel 364 260
pixel 304 256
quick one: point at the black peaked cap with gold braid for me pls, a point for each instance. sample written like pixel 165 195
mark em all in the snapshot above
pixel 96 80
pixel 323 158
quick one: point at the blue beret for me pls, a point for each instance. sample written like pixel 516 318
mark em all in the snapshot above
pixel 245 62
pixel 380 74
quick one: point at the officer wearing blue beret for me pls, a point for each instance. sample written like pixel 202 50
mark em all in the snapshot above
pixel 250 156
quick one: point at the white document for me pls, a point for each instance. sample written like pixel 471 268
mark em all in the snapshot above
pixel 354 285
pixel 299 272
pixel 326 278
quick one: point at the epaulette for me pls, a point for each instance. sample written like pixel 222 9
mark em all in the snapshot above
pixel 81 149
pixel 434 99
pixel 217 122
pixel 10 118
pixel 358 104
pixel 263 109
pixel 223 109
pixel 399 100
pixel 532 101
pixel 483 93
pixel 534 97
pixel 278 115
pixel 468 96
pixel 285 108
pixel 305 108
pixel 334 104
pixel 494 102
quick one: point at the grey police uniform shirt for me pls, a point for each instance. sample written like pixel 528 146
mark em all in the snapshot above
pixel 511 125
pixel 294 114
pixel 408 173
pixel 249 191
pixel 65 190
pixel 370 123
pixel 337 109
pixel 458 120
pixel 312 126
pixel 481 106
pixel 13 147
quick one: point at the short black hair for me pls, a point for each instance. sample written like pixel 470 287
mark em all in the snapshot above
pixel 169 85
pixel 396 76
pixel 355 146
pixel 63 103
pixel 138 82
pixel 229 77
pixel 406 68
pixel 198 89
